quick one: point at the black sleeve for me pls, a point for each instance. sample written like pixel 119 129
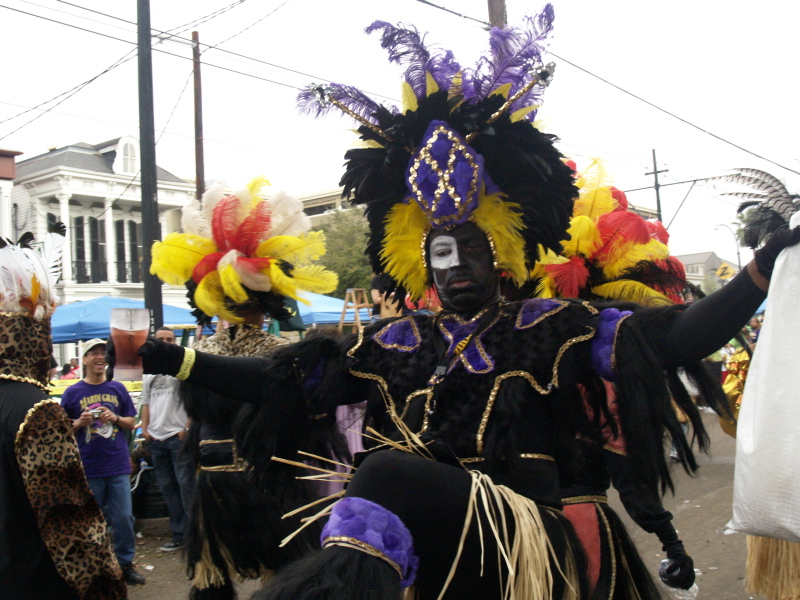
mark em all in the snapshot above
pixel 710 323
pixel 237 377
pixel 638 498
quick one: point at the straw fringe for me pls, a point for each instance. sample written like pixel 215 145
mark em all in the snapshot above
pixel 773 568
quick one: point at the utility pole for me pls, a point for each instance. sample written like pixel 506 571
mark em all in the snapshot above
pixel 151 228
pixel 199 160
pixel 655 173
pixel 497 13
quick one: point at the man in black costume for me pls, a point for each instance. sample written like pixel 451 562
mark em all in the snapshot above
pixel 472 413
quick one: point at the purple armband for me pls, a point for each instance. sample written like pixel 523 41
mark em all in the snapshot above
pixel 604 341
pixel 368 527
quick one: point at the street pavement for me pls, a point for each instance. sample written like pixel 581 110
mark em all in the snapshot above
pixel 701 507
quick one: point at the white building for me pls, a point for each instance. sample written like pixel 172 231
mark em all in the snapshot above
pixel 701 270
pixel 95 190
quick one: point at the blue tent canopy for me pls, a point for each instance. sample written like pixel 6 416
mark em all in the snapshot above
pixel 90 318
pixel 326 310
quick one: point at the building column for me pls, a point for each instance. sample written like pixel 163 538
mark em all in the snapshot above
pixel 5 208
pixel 111 241
pixel 66 257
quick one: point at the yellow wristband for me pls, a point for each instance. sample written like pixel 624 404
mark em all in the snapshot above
pixel 188 362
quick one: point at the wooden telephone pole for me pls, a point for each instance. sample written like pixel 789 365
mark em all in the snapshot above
pixel 497 13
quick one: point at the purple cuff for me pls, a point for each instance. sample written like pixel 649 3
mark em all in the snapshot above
pixel 604 340
pixel 359 523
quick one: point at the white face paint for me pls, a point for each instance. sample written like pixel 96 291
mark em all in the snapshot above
pixel 444 252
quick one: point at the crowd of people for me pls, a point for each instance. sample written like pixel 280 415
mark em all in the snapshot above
pixel 528 330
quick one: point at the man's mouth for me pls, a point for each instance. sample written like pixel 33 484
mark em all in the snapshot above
pixel 460 283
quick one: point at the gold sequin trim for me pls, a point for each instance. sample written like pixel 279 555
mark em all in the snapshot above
pixel 356 544
pixel 424 392
pixel 189 356
pixel 443 177
pixel 387 397
pixel 584 499
pixel 542 317
pixel 234 467
pixel 30 380
pixel 206 442
pixel 478 345
pixel 592 310
pixel 417 337
pixel 473 459
pixel 613 554
pixel 530 379
pixel 537 456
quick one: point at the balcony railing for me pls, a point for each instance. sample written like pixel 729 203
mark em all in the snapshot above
pixel 96 271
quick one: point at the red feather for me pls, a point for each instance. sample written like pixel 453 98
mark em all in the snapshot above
pixel 617 228
pixel 620 197
pixel 657 230
pixel 207 264
pixel 254 229
pixel 225 222
pixel 569 277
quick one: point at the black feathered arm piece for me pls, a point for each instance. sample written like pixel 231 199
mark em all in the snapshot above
pixel 304 384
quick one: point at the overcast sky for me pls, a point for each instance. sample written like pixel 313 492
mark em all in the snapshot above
pixel 728 67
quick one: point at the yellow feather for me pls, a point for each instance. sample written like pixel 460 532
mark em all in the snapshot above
pixel 232 284
pixel 36 288
pixel 595 196
pixel 502 222
pixel 584 237
pixel 627 255
pixel 409 98
pixel 367 143
pixel 297 250
pixel 546 288
pixel 175 258
pixel 406 227
pixel 520 113
pixel 210 298
pixel 456 85
pixel 255 186
pixel 631 291
pixel 503 90
pixel 431 87
pixel 315 278
pixel 546 257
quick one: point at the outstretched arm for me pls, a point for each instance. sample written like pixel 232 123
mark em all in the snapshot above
pixel 710 323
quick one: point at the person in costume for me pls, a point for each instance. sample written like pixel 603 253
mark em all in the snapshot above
pixel 240 255
pixel 773 563
pixel 472 412
pixel 54 542
pixel 638 268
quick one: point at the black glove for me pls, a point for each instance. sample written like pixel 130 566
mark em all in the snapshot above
pixel 783 237
pixel 161 358
pixel 678 570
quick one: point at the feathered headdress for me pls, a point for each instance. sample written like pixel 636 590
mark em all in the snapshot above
pixel 769 204
pixel 241 248
pixel 463 148
pixel 27 299
pixel 28 276
pixel 610 253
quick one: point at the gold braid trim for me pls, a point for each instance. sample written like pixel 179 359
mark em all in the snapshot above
pixel 35 382
pixel 584 499
pixel 611 551
pixel 356 544
pixel 28 415
pixel 189 356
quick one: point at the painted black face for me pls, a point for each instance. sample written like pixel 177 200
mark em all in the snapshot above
pixel 461 262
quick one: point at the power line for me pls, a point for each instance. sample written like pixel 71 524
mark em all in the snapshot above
pixel 215 47
pixel 624 91
pixel 269 14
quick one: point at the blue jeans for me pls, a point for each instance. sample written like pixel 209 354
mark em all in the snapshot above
pixel 113 494
pixel 175 476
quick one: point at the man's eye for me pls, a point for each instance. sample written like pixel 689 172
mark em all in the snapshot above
pixel 443 252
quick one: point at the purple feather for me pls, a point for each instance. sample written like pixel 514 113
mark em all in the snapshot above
pixel 407 48
pixel 514 51
pixel 313 100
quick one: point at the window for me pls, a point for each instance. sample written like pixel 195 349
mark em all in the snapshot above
pixel 134 230
pixel 122 273
pixel 129 164
pixel 693 269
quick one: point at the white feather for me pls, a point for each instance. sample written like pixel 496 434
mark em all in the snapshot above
pixel 193 221
pixel 296 225
pixel 211 198
pixel 52 251
pixel 284 205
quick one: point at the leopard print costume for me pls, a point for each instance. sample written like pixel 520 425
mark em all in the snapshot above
pixel 70 521
pixel 245 340
pixel 25 348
